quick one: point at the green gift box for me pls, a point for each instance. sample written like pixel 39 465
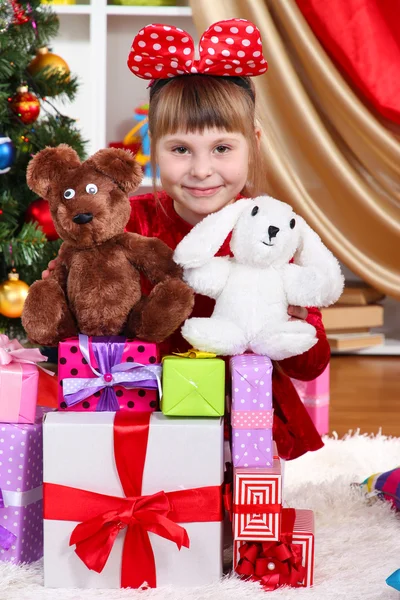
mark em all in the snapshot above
pixel 193 387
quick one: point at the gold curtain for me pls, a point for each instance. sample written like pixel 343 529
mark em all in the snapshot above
pixel 327 154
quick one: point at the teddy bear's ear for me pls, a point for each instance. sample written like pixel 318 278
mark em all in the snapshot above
pixel 48 166
pixel 120 166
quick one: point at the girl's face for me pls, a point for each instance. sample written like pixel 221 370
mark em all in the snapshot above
pixel 202 172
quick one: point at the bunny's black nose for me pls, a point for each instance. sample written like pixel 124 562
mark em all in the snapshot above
pixel 272 231
pixel 82 218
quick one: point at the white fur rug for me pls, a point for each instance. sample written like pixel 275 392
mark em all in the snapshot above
pixel 357 546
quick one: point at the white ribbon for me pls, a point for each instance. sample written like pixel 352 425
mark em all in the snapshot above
pixel 12 498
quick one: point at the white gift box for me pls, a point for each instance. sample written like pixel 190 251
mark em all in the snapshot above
pixel 182 453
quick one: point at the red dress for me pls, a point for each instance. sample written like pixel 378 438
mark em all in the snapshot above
pixel 293 430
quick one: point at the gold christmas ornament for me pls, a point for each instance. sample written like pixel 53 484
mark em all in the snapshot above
pixel 44 59
pixel 13 293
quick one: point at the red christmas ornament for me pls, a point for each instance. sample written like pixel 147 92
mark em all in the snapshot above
pixel 20 16
pixel 25 105
pixel 39 211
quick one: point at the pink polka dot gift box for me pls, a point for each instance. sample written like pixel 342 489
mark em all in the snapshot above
pixel 21 479
pixel 108 374
pixel 252 413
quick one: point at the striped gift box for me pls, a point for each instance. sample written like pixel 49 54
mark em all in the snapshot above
pixel 257 503
pixel 303 536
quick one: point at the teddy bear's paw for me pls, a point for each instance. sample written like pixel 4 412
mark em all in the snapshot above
pixel 215 335
pixel 168 305
pixel 46 316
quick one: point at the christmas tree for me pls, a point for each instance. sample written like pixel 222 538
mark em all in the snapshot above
pixel 31 77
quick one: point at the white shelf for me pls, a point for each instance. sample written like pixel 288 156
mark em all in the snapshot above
pixel 150 11
pixel 391 347
pixel 71 9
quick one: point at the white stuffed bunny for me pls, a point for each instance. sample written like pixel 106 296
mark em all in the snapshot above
pixel 254 289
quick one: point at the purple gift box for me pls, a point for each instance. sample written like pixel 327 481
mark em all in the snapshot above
pixel 21 479
pixel 252 413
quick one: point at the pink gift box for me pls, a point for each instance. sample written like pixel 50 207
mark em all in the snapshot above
pixel 260 488
pixel 18 392
pixel 303 537
pixel 73 366
pixel 315 397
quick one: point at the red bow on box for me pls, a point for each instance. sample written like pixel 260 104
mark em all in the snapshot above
pixel 230 47
pixel 102 517
pixel 274 564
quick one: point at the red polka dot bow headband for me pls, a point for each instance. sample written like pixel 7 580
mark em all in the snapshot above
pixel 232 47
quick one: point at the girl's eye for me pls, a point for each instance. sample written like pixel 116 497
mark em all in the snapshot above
pixel 69 193
pixel 91 188
pixel 180 150
pixel 222 149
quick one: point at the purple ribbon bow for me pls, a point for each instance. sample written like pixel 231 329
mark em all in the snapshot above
pixel 111 372
pixel 7 538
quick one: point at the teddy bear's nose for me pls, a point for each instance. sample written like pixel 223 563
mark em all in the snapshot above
pixel 82 218
pixel 272 231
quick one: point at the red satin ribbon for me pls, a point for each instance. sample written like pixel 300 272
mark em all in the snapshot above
pixel 286 558
pixel 102 517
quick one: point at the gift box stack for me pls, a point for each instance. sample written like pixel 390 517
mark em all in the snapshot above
pixel 21 461
pixel 136 499
pixel 272 544
pixel 132 497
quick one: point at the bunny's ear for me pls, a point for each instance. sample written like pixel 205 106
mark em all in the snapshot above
pixel 207 237
pixel 48 166
pixel 313 253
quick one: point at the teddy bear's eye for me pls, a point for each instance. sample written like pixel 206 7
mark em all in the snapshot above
pixel 292 224
pixel 91 188
pixel 69 193
pixel 254 211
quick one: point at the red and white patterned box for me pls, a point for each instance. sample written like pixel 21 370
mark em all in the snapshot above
pixel 303 536
pixel 262 489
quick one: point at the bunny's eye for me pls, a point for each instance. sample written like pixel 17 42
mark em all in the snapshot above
pixel 69 193
pixel 292 224
pixel 254 211
pixel 91 188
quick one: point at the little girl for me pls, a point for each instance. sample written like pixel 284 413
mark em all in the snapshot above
pixel 206 144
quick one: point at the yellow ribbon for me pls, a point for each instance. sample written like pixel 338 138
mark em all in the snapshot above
pixel 193 353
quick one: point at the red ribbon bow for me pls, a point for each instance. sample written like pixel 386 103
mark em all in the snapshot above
pixel 231 47
pixel 274 564
pixel 102 517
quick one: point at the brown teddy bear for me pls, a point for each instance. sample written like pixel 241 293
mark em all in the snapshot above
pixel 95 287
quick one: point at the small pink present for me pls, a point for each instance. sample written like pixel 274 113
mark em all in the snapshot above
pixel 108 374
pixel 315 397
pixel 19 378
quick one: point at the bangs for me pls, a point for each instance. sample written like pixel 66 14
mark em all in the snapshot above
pixel 196 103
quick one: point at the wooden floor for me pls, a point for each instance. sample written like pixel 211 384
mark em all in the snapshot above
pixel 365 394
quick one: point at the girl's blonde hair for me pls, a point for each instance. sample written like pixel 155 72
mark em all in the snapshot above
pixel 194 103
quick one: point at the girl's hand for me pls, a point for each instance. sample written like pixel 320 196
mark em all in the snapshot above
pixel 297 312
pixel 50 267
